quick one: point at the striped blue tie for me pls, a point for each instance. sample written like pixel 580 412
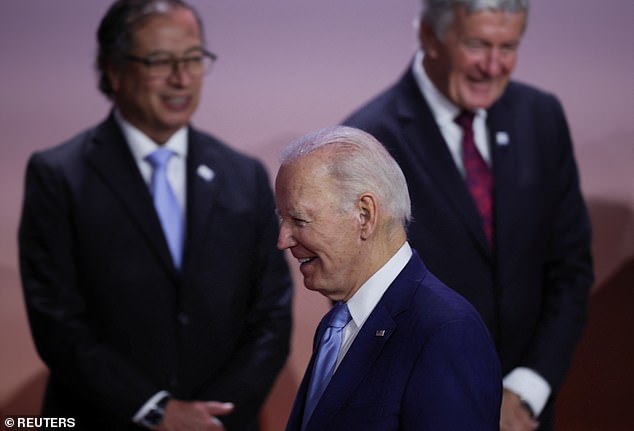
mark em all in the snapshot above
pixel 166 204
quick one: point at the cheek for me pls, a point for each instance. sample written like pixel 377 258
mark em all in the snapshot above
pixel 509 64
pixel 136 90
pixel 459 70
pixel 346 249
pixel 197 86
pixel 465 65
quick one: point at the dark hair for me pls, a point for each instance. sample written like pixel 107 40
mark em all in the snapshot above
pixel 116 30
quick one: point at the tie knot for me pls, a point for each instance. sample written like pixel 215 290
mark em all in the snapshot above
pixel 341 316
pixel 159 158
pixel 465 119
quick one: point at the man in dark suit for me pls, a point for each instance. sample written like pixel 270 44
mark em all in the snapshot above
pixel 519 249
pixel 400 350
pixel 141 327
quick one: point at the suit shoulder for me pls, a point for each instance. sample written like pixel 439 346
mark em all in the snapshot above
pixel 244 171
pixel 418 291
pixel 432 308
pixel 528 94
pixel 443 303
pixel 65 153
pixel 381 102
pixel 222 150
pixel 373 113
pixel 439 315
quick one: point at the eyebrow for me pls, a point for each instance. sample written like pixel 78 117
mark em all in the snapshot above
pixel 194 49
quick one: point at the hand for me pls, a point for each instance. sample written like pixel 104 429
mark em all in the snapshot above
pixel 194 415
pixel 514 417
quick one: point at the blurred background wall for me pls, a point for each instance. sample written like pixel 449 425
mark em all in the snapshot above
pixel 290 66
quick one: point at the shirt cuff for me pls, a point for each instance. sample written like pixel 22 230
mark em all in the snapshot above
pixel 529 386
pixel 149 405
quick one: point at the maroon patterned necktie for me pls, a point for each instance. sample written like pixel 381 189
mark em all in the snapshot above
pixel 478 175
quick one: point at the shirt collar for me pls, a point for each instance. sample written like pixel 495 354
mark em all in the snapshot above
pixel 141 145
pixel 370 293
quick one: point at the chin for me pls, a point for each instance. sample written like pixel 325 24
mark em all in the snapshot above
pixel 478 103
pixel 177 123
pixel 328 294
pixel 479 99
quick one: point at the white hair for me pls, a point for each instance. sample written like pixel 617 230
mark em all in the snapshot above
pixel 361 164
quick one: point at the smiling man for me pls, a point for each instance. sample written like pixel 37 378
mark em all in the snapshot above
pixel 155 291
pixel 399 350
pixel 497 208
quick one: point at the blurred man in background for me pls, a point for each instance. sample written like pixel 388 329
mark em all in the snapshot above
pixel 498 213
pixel 155 292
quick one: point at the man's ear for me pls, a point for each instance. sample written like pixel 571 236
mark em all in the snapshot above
pixel 368 214
pixel 428 40
pixel 114 76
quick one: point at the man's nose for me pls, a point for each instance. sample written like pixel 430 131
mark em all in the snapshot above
pixel 179 73
pixel 285 238
pixel 496 62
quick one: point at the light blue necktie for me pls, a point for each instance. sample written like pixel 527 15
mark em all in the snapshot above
pixel 326 359
pixel 166 204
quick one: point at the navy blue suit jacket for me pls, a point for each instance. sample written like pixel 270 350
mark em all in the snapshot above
pixel 532 289
pixel 423 360
pixel 113 319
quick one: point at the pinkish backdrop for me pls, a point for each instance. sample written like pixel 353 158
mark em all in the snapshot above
pixel 289 66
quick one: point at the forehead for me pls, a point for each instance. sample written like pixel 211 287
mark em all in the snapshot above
pixel 305 181
pixel 489 22
pixel 175 29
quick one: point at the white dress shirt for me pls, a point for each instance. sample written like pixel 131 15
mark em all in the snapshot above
pixel 369 294
pixel 141 146
pixel 525 382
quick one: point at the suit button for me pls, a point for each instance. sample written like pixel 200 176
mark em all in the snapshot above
pixel 183 318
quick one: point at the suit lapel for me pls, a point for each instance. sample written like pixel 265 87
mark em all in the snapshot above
pixel 109 155
pixel 510 161
pixel 202 188
pixel 357 363
pixel 430 156
pixel 367 346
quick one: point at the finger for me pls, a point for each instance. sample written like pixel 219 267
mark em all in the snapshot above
pixel 215 408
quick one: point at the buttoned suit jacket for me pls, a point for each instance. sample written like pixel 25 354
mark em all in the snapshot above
pixel 532 288
pixel 112 317
pixel 423 360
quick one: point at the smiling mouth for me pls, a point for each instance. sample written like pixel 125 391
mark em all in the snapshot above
pixel 177 102
pixel 304 260
pixel 481 82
